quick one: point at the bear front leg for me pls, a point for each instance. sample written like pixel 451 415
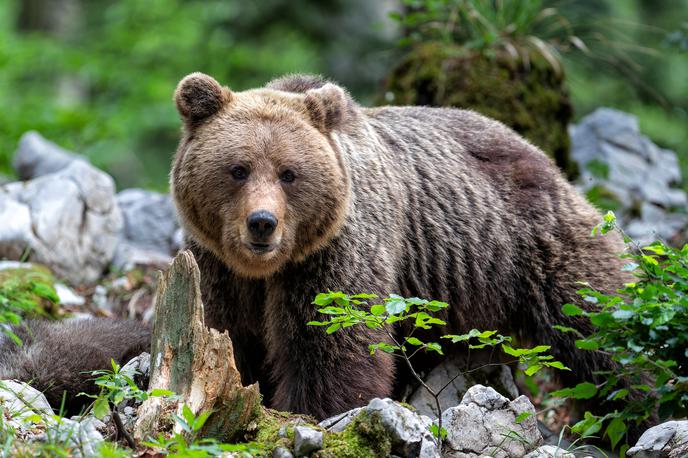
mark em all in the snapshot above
pixel 317 373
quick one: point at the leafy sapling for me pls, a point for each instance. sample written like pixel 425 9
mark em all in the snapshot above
pixel 644 328
pixel 118 385
pixel 351 310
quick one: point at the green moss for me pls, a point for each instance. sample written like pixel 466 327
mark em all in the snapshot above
pixel 31 290
pixel 528 96
pixel 269 424
pixel 364 437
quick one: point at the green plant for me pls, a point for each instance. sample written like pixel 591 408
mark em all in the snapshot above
pixel 644 328
pixel 351 310
pixel 191 446
pixel 24 292
pixel 118 385
pixel 518 28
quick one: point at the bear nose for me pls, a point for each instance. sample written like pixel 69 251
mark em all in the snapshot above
pixel 261 224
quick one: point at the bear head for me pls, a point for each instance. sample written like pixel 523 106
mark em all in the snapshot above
pixel 258 178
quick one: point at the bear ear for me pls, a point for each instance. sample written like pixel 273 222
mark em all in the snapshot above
pixel 328 107
pixel 199 96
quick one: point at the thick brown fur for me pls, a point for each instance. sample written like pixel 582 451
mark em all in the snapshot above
pixel 56 357
pixel 436 203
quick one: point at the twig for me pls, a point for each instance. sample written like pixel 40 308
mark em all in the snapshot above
pixel 121 429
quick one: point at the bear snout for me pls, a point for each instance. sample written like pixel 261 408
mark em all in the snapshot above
pixel 261 225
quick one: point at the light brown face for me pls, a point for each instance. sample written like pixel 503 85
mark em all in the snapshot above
pixel 258 184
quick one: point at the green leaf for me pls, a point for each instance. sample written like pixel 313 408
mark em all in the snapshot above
pixel 585 344
pixel 517 352
pixel 435 306
pixel 434 429
pixel 532 370
pixel 414 341
pixel 395 306
pixel 377 309
pixel 571 310
pixel 434 346
pixel 610 217
pixel 323 299
pixel 332 328
pixel 538 349
pixel 558 365
pixel 616 430
pixel 588 426
pixel 585 390
pixel 101 408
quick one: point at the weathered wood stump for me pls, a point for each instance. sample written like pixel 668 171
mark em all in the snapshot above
pixel 194 361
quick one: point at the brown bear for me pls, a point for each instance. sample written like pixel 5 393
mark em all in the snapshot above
pixel 294 189
pixel 57 357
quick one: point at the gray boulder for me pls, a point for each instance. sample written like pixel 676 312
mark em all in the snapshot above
pixel 82 437
pixel 498 377
pixel 485 424
pixel 150 233
pixel 68 221
pixel 669 439
pixel 21 403
pixel 613 155
pixel 409 432
pixel 37 156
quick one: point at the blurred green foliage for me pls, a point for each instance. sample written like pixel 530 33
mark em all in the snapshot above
pixel 100 80
pixel 97 76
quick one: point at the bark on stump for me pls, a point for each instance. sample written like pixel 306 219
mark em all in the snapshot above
pixel 194 361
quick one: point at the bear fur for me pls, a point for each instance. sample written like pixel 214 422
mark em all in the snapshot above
pixel 436 203
pixel 57 357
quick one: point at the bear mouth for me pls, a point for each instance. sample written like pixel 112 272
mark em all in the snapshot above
pixel 260 248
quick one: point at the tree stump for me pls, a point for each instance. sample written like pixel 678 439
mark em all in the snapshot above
pixel 194 361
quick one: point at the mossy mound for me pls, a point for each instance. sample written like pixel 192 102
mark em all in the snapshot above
pixel 364 437
pixel 29 291
pixel 531 97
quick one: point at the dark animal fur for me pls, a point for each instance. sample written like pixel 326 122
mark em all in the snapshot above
pixel 441 203
pixel 55 357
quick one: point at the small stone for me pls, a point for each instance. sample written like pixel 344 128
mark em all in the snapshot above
pixel 281 452
pixel 337 423
pixel 307 440
pixel 100 298
pixel 138 366
pixel 550 451
pixel 68 296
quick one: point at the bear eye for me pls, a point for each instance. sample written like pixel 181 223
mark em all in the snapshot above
pixel 239 172
pixel 288 176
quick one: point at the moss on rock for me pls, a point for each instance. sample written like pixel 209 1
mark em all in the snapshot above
pixel 364 437
pixel 528 96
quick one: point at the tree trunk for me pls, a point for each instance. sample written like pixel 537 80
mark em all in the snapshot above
pixel 194 361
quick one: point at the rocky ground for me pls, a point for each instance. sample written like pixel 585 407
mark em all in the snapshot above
pixel 105 249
